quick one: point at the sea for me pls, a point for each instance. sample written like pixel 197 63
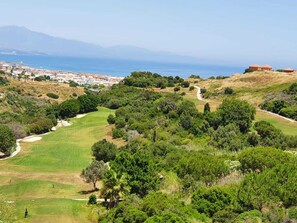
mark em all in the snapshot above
pixel 118 67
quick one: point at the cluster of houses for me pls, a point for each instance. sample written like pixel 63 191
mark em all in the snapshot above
pixel 256 67
pixel 24 72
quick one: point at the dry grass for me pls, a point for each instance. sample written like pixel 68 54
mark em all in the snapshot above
pixel 40 89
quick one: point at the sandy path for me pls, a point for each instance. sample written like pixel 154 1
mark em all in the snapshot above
pixel 199 95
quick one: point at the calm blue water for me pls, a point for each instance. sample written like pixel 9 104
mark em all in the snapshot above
pixel 116 67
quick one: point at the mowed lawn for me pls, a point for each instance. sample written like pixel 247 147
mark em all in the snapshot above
pixel 44 176
pixel 66 150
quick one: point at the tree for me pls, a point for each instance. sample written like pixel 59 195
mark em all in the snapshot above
pixel 104 150
pixel 94 172
pixel 7 139
pixel 141 172
pixel 238 112
pixel 206 108
pixel 228 138
pixel 69 108
pixel 87 103
pixel 111 119
pixel 114 188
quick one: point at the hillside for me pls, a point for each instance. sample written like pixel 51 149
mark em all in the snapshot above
pixel 251 86
pixel 158 158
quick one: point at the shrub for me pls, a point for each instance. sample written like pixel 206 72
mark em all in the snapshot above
pixel 228 90
pixel 69 108
pixel 73 84
pixel 3 81
pixel 42 125
pixel 185 84
pixel 260 158
pixel 203 90
pixel 52 95
pixel 118 133
pixel 111 119
pixel 87 103
pixel 7 139
pixel 211 200
pixel 92 199
pixel 191 88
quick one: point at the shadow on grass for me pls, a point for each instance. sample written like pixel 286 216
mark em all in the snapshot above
pixel 88 191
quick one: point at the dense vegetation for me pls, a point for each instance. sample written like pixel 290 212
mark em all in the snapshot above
pixel 176 161
pixel 283 103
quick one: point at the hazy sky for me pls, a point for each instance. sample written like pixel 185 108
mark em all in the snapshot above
pixel 223 31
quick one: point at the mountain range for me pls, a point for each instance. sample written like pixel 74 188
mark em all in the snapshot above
pixel 20 40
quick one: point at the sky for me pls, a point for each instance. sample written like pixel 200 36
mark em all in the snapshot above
pixel 237 32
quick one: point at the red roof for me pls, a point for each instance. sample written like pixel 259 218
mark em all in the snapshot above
pixel 255 65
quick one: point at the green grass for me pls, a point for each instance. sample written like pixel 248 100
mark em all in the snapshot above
pixel 43 177
pixel 37 188
pixel 52 210
pixel 66 150
pixel 287 127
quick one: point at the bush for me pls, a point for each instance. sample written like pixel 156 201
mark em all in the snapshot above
pixel 118 133
pixel 191 88
pixel 69 108
pixel 40 126
pixel 260 158
pixel 87 103
pixel 52 95
pixel 7 139
pixel 73 84
pixel 92 199
pixel 3 81
pixel 228 90
pixel 185 84
pixel 111 119
pixel 211 200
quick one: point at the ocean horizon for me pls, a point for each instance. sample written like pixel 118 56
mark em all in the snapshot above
pixel 118 67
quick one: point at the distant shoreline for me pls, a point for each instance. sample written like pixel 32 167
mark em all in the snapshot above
pixel 118 67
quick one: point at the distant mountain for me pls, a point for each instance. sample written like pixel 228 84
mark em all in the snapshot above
pixel 20 40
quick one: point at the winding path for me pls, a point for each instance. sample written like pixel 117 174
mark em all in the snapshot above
pixel 200 98
pixel 199 95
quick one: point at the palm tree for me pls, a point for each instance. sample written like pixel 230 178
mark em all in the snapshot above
pixel 115 188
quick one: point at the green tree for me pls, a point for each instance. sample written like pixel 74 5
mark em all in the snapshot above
pixel 238 112
pixel 111 119
pixel 228 138
pixel 140 169
pixel 206 108
pixel 87 103
pixel 7 139
pixel 69 108
pixel 94 172
pixel 104 150
pixel 114 188
pixel 228 90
